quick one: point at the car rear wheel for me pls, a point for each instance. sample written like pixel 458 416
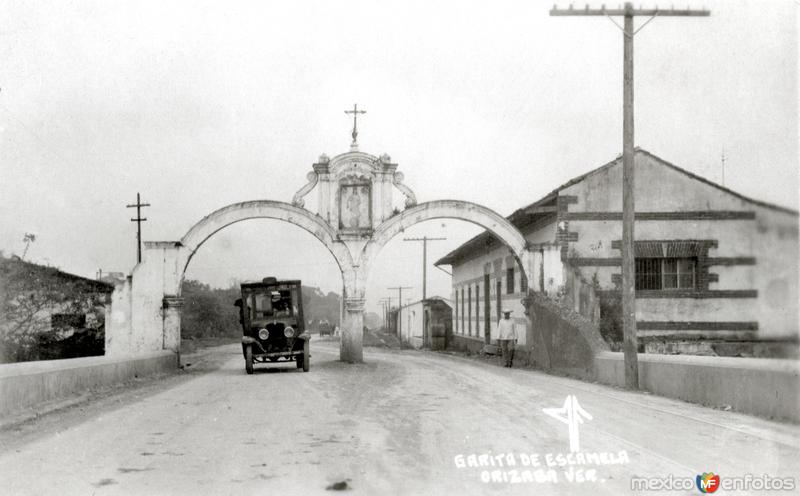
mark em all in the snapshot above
pixel 248 359
pixel 306 356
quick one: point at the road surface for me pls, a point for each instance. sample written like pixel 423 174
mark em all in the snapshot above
pixel 404 422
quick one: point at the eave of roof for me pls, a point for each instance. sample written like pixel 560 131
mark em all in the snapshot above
pixel 702 179
pixel 519 214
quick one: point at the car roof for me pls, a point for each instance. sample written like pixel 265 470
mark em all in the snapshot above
pixel 253 285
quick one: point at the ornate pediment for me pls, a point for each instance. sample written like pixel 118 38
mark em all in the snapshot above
pixel 355 191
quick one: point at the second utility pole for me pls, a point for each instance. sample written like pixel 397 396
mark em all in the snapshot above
pixel 424 240
pixel 399 306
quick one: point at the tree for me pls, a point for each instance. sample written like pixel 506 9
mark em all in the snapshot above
pixel 209 312
pixel 27 239
pixel 30 295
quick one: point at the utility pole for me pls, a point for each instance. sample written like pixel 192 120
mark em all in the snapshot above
pixel 723 165
pixel 138 221
pixel 385 303
pixel 400 306
pixel 630 345
pixel 424 240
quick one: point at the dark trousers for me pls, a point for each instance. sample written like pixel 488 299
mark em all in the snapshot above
pixel 507 348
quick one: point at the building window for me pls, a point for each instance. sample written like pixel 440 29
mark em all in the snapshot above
pixel 666 273
pixel 510 280
pixel 469 310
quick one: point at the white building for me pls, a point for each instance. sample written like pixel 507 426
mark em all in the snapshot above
pixel 717 272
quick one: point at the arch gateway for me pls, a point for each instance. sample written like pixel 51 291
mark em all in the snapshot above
pixel 355 219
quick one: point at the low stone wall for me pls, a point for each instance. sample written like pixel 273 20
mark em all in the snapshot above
pixel 757 386
pixel 27 384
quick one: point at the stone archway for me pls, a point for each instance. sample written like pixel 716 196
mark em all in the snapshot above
pixel 355 220
pixel 146 313
pixel 367 251
pixel 450 209
pixel 261 209
pixel 293 214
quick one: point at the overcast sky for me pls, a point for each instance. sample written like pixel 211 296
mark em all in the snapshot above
pixel 201 104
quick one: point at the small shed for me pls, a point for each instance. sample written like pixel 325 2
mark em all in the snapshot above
pixel 425 323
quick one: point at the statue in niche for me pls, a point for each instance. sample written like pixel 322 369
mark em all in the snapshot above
pixel 354 207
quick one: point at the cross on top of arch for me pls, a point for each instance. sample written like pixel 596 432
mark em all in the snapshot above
pixel 355 191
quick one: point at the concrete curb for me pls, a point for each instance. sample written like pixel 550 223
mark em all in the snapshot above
pixel 28 384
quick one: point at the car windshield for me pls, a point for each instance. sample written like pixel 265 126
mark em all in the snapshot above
pixel 276 303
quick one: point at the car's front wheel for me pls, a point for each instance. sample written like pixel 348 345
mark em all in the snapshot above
pixel 306 356
pixel 248 359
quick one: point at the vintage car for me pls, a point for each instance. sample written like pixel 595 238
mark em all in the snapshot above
pixel 325 328
pixel 271 314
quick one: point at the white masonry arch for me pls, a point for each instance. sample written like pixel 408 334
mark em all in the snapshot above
pixel 146 311
pixel 261 209
pixel 482 216
pixel 151 301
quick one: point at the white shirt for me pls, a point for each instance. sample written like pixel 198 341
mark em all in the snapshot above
pixel 506 330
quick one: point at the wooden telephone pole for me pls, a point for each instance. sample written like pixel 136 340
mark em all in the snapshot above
pixel 399 306
pixel 628 263
pixel 138 205
pixel 385 303
pixel 424 240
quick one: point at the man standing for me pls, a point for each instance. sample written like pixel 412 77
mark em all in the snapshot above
pixel 507 337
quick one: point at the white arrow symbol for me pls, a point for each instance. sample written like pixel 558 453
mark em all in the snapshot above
pixel 571 414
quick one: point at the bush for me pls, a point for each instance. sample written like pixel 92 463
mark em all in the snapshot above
pixel 49 314
pixel 611 321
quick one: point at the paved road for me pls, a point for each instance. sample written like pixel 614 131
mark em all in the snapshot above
pixel 394 425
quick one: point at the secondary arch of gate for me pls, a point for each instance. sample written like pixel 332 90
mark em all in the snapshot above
pixel 146 311
pixel 262 209
pixel 451 209
pixel 448 209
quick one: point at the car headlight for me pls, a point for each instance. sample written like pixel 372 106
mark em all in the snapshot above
pixel 288 332
pixel 263 334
